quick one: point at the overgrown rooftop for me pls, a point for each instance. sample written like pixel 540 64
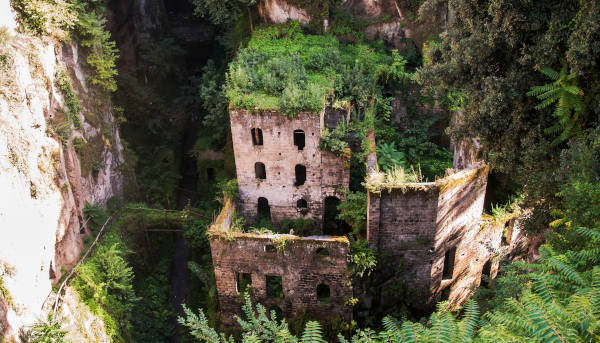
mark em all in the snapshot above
pixel 284 69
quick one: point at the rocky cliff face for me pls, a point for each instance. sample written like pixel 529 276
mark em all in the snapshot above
pixel 395 22
pixel 48 169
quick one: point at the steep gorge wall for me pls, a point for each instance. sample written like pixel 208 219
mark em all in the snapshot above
pixel 46 179
pixel 395 22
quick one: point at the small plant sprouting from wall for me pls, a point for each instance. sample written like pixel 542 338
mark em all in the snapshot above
pixel 63 82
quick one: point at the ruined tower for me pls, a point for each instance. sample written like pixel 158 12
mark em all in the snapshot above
pixel 282 172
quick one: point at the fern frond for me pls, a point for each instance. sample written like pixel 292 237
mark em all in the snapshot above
pixel 567 271
pixel 471 320
pixel 551 73
pixel 409 332
pixel 595 296
pixel 593 234
pixel 542 288
pixel 312 333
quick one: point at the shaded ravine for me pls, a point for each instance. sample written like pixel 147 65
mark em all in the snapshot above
pixel 187 195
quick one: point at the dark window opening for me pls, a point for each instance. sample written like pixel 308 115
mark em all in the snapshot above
pixel 301 203
pixel 331 224
pixel 449 264
pixel 299 140
pixel 257 136
pixel 274 286
pixel 210 174
pixel 445 294
pixel 323 293
pixel 270 248
pixel 243 281
pixel 302 206
pixel 278 313
pixel 259 170
pixel 486 274
pixel 323 252
pixel 264 210
pixel 300 175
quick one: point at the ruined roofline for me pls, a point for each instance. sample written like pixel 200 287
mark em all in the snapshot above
pixel 376 180
pixel 222 228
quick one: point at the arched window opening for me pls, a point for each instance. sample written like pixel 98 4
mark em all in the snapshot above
pixel 449 264
pixel 301 203
pixel 323 252
pixel 257 136
pixel 300 175
pixel 299 139
pixel 323 293
pixel 264 210
pixel 259 170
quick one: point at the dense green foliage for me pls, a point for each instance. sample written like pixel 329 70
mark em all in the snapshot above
pixel 104 284
pixel 491 53
pixel 81 19
pixel 286 70
pixel 46 330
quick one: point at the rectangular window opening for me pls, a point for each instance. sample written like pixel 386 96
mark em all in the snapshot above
pixel 449 264
pixel 243 281
pixel 299 140
pixel 257 136
pixel 274 286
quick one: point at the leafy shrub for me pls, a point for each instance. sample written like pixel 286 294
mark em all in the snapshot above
pixel 44 331
pixel 229 189
pixel 388 157
pixel 85 18
pixel 362 258
pixel 63 81
pixel 334 141
pixel 44 17
pixel 353 210
pixel 102 52
pixel 104 284
pixel 96 216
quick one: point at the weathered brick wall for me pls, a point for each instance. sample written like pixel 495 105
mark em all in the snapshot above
pixel 299 265
pixel 416 225
pixel 279 154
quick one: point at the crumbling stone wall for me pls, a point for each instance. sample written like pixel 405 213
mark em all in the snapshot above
pixel 301 268
pixel 325 171
pixel 302 263
pixel 416 225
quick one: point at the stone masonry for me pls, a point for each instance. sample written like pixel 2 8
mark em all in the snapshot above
pixel 303 265
pixel 326 172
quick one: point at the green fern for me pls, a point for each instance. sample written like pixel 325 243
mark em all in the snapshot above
pixel 312 333
pixel 567 97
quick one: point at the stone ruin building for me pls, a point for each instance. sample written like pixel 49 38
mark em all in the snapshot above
pixel 281 171
pixel 431 232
